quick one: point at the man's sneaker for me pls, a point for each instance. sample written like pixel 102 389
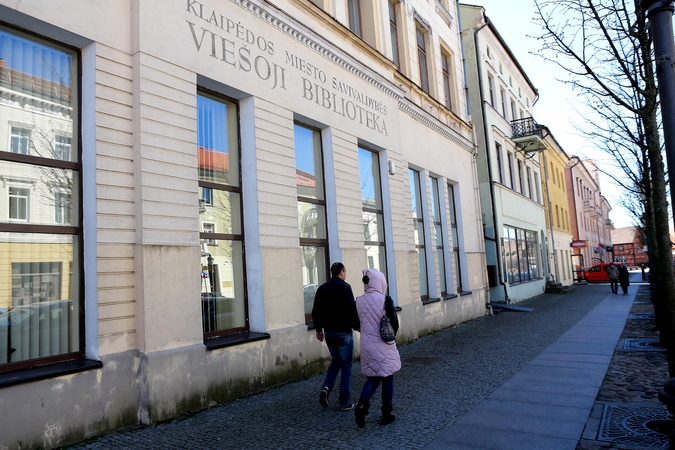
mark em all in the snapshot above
pixel 349 407
pixel 323 397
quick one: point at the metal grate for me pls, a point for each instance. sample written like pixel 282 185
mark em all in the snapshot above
pixel 642 316
pixel 646 345
pixel 635 425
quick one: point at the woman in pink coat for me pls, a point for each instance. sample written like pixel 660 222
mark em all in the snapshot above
pixel 379 359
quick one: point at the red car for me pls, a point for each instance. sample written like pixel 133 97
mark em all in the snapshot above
pixel 597 273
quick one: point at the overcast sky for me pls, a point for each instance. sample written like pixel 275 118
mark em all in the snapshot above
pixel 514 21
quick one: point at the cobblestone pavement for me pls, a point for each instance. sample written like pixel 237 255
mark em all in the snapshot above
pixel 633 378
pixel 444 375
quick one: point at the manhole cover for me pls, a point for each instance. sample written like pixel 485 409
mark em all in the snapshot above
pixel 642 316
pixel 424 360
pixel 647 345
pixel 642 426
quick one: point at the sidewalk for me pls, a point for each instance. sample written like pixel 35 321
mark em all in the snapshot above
pixel 514 380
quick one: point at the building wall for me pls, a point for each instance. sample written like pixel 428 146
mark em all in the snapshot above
pixel 142 64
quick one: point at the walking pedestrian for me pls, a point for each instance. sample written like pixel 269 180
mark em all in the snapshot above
pixel 334 316
pixel 379 359
pixel 624 278
pixel 613 273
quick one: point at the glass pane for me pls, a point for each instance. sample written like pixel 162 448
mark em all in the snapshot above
pixel 224 212
pixel 222 273
pixel 456 271
pixel 354 16
pixel 42 107
pixel 422 261
pixel 373 230
pixel 369 167
pixel 438 235
pixel 308 163
pixel 435 211
pixel 376 258
pixel 312 220
pixel 455 239
pixel 217 141
pixel 39 194
pixel 415 194
pixel 313 273
pixel 39 304
pixel 419 233
pixel 451 204
pixel 441 269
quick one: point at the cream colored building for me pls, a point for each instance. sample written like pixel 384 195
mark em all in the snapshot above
pixel 509 172
pixel 221 154
pixel 558 216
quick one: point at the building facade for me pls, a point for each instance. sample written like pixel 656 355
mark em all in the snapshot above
pixel 554 160
pixel 509 173
pixel 591 226
pixel 629 246
pixel 177 177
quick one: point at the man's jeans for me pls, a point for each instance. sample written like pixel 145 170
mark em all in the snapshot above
pixel 341 347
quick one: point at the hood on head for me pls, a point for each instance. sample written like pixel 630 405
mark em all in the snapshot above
pixel 376 281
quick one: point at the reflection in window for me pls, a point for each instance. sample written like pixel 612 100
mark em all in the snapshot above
pixel 354 11
pixel 223 294
pixel 62 148
pixel 311 213
pixel 40 234
pixel 418 226
pixel 519 255
pixel 20 140
pixel 456 243
pixel 438 231
pixel 422 59
pixel 372 210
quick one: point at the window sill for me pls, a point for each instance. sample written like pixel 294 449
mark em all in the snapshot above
pixel 451 296
pixel 463 293
pixel 234 339
pixel 427 301
pixel 48 371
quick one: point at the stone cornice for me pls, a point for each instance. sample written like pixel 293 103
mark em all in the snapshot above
pixel 295 30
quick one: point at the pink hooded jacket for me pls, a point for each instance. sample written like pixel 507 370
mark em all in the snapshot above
pixel 378 359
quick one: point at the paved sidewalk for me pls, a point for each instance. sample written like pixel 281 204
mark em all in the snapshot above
pixel 463 375
pixel 546 404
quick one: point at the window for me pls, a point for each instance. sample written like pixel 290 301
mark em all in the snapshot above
pixel 513 110
pixel 489 55
pixel 536 187
pixel 393 31
pixel 372 210
pixel 491 89
pixel 529 184
pixel 519 255
pixel 456 245
pixel 311 212
pixel 447 79
pixel 511 179
pixel 438 231
pixel 20 140
pixel 502 96
pixel 498 151
pixel 557 215
pixel 62 148
pixel 520 177
pixel 552 173
pixel 501 68
pixel 422 58
pixel 223 292
pixel 41 314
pixel 354 11
pixel 418 226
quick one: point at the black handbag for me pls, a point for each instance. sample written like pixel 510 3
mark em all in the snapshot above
pixel 386 330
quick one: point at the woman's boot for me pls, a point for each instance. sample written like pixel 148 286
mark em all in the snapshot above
pixel 387 416
pixel 361 412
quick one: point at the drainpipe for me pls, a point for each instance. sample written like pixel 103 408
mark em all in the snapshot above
pixel 576 212
pixel 487 154
pixel 466 78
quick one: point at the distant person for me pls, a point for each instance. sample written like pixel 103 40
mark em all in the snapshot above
pixel 613 273
pixel 624 278
pixel 334 316
pixel 642 268
pixel 379 359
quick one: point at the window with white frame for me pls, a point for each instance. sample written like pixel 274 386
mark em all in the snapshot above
pixel 446 65
pixel 418 229
pixel 422 57
pixel 434 188
pixel 311 212
pixel 393 31
pixel 354 13
pixel 40 230
pixel 456 242
pixel 519 255
pixel 491 89
pixel 223 289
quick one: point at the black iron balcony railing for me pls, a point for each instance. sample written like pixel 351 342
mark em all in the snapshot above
pixel 526 127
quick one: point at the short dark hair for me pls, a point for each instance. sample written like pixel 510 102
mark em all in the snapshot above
pixel 336 268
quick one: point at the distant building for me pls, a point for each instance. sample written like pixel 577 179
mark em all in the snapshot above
pixel 629 246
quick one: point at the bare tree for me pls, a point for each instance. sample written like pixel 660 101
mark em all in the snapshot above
pixel 605 48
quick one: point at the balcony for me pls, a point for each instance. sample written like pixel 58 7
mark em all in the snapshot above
pixel 528 135
pixel 589 206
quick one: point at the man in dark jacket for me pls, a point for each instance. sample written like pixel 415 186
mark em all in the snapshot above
pixel 334 315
